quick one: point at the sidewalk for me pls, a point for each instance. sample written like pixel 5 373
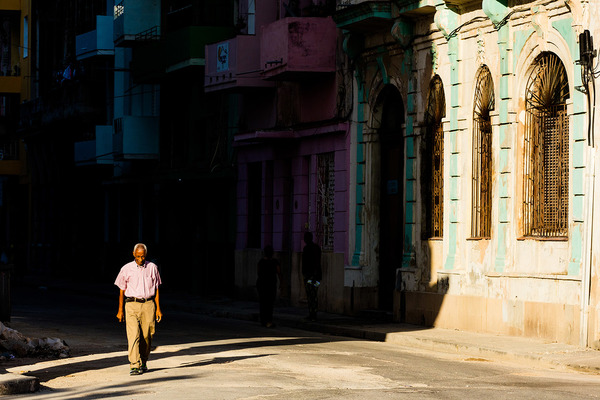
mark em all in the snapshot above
pixel 466 344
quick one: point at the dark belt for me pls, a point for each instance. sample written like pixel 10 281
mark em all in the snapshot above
pixel 136 300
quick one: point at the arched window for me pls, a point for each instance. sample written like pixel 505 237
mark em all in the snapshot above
pixel 546 149
pixel 481 212
pixel 433 167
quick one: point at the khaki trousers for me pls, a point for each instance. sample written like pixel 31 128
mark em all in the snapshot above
pixel 140 326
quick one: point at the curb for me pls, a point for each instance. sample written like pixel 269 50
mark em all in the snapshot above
pixel 582 360
pixel 16 384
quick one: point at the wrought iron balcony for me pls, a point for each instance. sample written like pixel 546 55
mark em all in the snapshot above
pixel 131 17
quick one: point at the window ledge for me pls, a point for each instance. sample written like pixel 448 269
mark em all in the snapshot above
pixel 544 238
pixel 515 275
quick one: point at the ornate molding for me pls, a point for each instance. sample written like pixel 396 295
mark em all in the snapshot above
pixel 481 59
pixel 434 58
pixel 402 31
pixel 496 11
pixel 576 9
pixel 540 20
pixel 446 19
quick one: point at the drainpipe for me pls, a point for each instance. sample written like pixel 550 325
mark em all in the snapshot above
pixel 588 249
pixel 586 60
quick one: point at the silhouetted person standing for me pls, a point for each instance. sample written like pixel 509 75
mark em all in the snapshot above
pixel 311 271
pixel 268 272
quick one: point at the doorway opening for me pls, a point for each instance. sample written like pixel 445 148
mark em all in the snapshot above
pixel 391 224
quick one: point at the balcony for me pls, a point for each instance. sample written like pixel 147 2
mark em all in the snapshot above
pixel 11 163
pixel 75 102
pixel 136 138
pixel 98 42
pixel 97 151
pixel 364 16
pixel 234 63
pixel 131 17
pixel 293 48
pixel 176 51
pixel 10 84
pixel 10 5
pixel 186 47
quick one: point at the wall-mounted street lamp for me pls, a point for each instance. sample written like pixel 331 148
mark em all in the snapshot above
pixel 587 53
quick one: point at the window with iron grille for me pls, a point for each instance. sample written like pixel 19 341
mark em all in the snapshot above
pixel 433 167
pixel 325 200
pixel 546 150
pixel 481 212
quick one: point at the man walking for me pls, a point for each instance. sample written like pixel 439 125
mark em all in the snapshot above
pixel 138 282
pixel 311 271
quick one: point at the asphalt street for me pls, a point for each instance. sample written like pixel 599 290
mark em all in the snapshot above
pixel 199 356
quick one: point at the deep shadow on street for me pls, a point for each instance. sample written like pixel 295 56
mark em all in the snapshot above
pixel 200 356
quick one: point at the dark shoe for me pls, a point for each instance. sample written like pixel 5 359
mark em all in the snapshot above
pixel 135 371
pixel 144 367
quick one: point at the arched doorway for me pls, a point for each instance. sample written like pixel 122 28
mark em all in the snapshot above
pixel 392 193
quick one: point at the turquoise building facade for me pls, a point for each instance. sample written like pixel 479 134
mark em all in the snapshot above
pixel 472 165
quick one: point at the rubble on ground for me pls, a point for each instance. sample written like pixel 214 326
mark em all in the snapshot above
pixel 12 342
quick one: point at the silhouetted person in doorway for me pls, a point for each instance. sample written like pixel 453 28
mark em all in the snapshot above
pixel 311 271
pixel 269 272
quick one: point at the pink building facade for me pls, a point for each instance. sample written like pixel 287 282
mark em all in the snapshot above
pixel 288 124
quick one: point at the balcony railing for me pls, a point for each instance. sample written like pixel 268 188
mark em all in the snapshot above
pixel 9 151
pixel 98 42
pixel 96 151
pixel 149 34
pixel 11 162
pixel 131 17
pixel 73 101
pixel 136 138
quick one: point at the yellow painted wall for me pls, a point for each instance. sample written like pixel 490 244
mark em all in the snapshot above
pixel 10 5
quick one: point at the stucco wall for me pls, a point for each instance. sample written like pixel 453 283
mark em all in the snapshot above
pixel 507 283
pixel 549 321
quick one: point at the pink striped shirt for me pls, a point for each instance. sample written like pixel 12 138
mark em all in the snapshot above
pixel 139 281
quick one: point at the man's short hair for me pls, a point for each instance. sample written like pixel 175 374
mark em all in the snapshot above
pixel 140 245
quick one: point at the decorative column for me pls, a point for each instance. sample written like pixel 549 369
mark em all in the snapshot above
pixel 402 31
pixel 447 20
pixel 498 13
pixel 353 46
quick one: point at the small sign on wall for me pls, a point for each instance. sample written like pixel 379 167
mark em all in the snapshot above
pixel 223 57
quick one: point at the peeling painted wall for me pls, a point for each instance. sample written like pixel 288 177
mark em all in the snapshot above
pixel 524 282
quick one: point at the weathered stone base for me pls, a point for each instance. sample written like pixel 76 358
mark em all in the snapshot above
pixel 548 321
pixel 15 384
pixel 357 299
